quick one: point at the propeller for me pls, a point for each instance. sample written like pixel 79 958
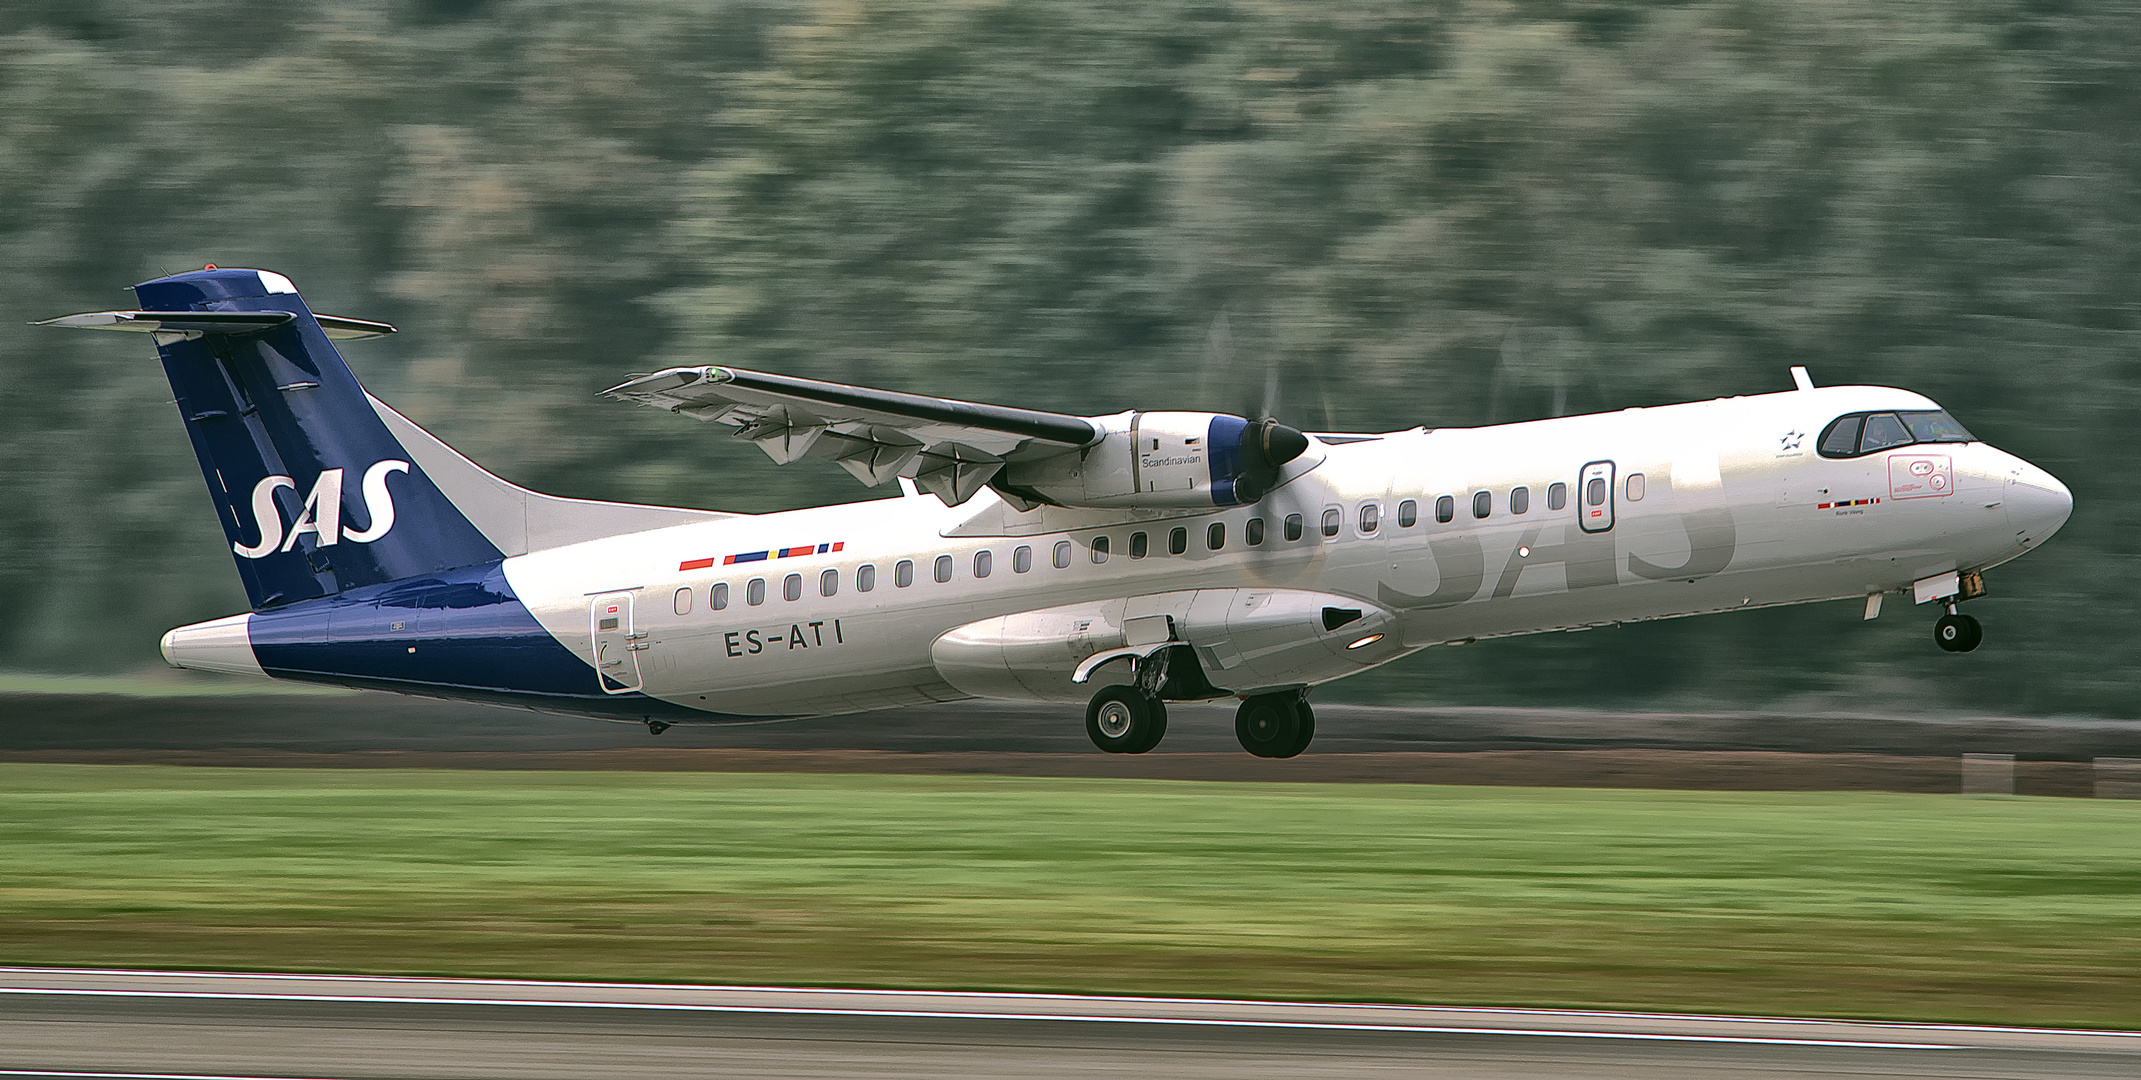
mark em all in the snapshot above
pixel 1266 444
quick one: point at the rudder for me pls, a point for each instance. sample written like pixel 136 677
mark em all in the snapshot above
pixel 316 496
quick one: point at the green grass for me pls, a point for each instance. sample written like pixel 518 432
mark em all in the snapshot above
pixel 1929 907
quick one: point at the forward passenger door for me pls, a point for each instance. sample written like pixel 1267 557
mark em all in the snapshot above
pixel 1594 497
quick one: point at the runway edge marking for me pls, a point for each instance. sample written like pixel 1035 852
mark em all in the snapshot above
pixel 927 1014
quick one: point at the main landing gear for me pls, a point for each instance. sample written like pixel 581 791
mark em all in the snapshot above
pixel 1125 720
pixel 1132 719
pixel 1275 725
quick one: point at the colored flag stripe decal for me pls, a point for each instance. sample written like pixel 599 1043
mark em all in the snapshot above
pixel 762 556
pixel 1841 505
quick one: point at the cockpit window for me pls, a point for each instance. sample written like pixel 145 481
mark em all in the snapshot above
pixel 1935 426
pixel 1842 438
pixel 1883 430
pixel 1865 433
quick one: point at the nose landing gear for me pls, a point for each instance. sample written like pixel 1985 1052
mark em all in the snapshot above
pixel 1957 632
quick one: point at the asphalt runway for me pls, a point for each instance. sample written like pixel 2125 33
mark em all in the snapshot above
pixel 72 1023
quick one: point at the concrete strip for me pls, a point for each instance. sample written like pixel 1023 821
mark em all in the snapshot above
pixel 1556 1023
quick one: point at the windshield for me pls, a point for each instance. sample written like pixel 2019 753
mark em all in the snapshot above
pixel 1866 433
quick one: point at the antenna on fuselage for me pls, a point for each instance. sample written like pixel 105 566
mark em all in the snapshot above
pixel 1801 379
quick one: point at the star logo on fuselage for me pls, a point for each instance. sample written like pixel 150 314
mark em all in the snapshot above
pixel 1790 441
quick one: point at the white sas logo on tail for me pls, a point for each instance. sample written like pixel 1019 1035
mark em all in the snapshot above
pixel 322 515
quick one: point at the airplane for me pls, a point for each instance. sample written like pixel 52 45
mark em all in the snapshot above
pixel 1125 561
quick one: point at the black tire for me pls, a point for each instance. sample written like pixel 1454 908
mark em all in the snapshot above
pixel 1956 632
pixel 1155 726
pixel 1120 720
pixel 1304 729
pixel 1268 725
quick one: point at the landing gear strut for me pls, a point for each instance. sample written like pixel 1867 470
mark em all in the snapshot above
pixel 1957 632
pixel 1275 725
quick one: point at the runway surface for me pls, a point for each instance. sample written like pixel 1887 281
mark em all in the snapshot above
pixel 84 1023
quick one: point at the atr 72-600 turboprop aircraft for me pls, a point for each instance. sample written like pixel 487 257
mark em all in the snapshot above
pixel 1157 556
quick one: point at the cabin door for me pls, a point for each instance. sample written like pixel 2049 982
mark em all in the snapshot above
pixel 1594 497
pixel 617 644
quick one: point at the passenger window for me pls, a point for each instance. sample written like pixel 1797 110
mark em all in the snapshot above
pixel 1177 541
pixel 828 583
pixel 754 594
pixel 1408 514
pixel 1100 549
pixel 1595 491
pixel 1330 521
pixel 1139 546
pixel 865 577
pixel 1021 559
pixel 1371 515
pixel 903 573
pixel 1482 504
pixel 1557 496
pixel 792 587
pixel 1254 531
pixel 984 562
pixel 1883 430
pixel 1063 554
pixel 1293 526
pixel 1215 537
pixel 1636 487
pixel 1445 509
pixel 681 602
pixel 944 569
pixel 1520 500
pixel 718 599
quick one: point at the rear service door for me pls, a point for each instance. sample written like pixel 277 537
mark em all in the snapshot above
pixel 617 644
pixel 1594 497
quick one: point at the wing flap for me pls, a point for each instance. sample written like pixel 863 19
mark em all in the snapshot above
pixel 950 448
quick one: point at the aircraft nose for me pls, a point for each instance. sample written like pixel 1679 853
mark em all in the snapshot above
pixel 2037 503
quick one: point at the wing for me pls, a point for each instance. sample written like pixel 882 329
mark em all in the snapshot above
pixel 949 448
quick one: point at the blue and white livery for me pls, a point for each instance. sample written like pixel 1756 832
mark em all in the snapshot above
pixel 1157 556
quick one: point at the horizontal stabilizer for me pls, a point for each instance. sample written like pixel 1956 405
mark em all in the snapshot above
pixel 214 322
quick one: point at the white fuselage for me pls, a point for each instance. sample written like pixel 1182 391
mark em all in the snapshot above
pixel 1713 506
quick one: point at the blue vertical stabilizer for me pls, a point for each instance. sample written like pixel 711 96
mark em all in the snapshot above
pixel 315 494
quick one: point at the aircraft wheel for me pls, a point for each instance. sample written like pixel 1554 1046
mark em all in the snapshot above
pixel 1269 725
pixel 1121 720
pixel 1957 632
pixel 1305 728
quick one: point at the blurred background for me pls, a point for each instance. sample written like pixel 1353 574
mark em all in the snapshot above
pixel 1446 214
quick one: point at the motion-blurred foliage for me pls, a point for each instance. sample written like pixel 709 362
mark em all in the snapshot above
pixel 1422 213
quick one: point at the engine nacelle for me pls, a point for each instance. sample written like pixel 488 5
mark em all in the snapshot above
pixel 1246 641
pixel 1165 459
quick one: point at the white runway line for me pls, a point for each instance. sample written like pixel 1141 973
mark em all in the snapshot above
pixel 147 1076
pixel 1088 1016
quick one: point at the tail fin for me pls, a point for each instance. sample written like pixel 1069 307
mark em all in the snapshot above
pixel 315 493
